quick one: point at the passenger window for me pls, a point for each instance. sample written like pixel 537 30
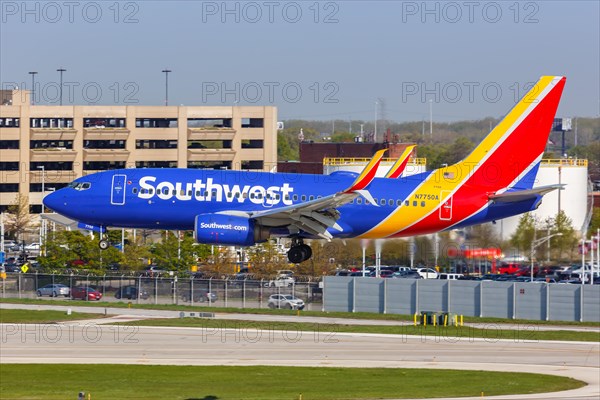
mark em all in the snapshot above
pixel 390 202
pixel 382 202
pixel 295 197
pixel 422 204
pixel 311 198
pixel 406 203
pixel 359 201
pixel 303 197
pixel 197 193
pixel 134 190
pixel 151 191
pixel 398 203
pixel 415 203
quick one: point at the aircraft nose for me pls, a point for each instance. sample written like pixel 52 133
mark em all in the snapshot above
pixel 53 201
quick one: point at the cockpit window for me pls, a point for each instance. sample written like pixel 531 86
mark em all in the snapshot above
pixel 80 185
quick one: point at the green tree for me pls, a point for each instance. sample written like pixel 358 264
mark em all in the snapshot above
pixel 566 242
pixel 18 219
pixel 173 253
pixel 524 234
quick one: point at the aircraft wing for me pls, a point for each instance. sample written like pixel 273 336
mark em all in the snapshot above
pixel 317 215
pixel 520 195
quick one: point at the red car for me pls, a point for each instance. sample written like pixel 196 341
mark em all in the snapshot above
pixel 509 268
pixel 85 293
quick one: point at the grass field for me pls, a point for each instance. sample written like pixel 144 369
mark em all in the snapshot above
pixel 40 317
pixel 335 314
pixel 260 382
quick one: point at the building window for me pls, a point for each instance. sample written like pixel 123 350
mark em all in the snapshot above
pixel 156 144
pixel 156 164
pixel 9 165
pixel 102 123
pixel 51 123
pixel 209 164
pixel 209 144
pixel 9 187
pixel 9 144
pixel 104 144
pixel 52 165
pixel 48 186
pixel 208 123
pixel 51 144
pixel 252 144
pixel 156 123
pixel 103 165
pixel 9 122
pixel 35 209
pixel 257 164
pixel 253 122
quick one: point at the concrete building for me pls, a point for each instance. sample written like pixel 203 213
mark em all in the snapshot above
pixel 49 146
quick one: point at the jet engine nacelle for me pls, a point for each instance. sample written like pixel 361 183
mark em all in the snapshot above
pixel 229 230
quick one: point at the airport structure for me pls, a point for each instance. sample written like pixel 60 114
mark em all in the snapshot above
pixel 43 147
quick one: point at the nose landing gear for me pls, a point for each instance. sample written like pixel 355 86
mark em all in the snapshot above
pixel 299 251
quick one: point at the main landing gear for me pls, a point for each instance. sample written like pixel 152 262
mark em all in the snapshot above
pixel 299 251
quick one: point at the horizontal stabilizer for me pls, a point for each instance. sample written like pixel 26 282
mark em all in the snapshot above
pixel 521 195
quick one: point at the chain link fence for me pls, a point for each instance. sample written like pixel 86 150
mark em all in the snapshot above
pixel 160 290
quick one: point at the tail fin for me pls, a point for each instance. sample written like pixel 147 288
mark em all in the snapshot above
pixel 400 164
pixel 513 149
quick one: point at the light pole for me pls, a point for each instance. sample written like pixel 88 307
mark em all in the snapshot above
pixel 32 73
pixel 43 227
pixel 166 71
pixel 61 70
pixel 375 134
pixel 430 117
pixel 534 245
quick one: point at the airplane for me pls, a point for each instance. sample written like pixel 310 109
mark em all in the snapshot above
pixel 242 208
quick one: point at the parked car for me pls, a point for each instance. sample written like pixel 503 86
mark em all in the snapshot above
pixel 406 275
pixel 85 293
pixel 427 273
pixel 54 290
pixel 509 268
pixel 285 301
pixel 33 247
pixel 281 282
pixel 200 296
pixel 131 292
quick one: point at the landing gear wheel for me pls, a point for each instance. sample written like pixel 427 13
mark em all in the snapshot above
pixel 296 254
pixel 307 251
pixel 103 244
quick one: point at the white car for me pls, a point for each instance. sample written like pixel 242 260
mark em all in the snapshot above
pixel 427 273
pixel 281 282
pixel 285 301
pixel 33 247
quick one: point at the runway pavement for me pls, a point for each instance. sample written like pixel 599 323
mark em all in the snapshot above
pixel 87 342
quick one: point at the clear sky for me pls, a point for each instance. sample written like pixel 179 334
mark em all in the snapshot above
pixel 313 60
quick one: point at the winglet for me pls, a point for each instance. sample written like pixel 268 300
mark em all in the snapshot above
pixel 367 174
pixel 400 164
